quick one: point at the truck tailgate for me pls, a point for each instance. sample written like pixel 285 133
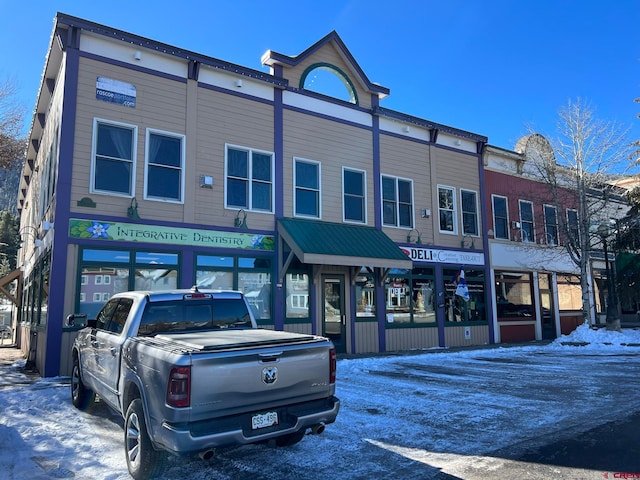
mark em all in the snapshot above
pixel 238 371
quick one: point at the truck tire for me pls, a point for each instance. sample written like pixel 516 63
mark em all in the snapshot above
pixel 143 461
pixel 290 439
pixel 81 396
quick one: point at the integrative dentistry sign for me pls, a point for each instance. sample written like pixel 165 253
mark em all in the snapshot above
pixel 131 232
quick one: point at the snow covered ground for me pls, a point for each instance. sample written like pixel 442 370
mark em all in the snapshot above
pixel 402 416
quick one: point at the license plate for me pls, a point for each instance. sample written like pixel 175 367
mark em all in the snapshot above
pixel 263 420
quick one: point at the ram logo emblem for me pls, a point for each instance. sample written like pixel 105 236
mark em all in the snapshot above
pixel 269 375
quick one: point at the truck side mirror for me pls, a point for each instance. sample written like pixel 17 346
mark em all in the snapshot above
pixel 77 320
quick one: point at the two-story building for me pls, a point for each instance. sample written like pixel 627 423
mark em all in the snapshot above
pixel 153 167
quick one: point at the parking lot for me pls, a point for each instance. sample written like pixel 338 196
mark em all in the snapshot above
pixel 473 414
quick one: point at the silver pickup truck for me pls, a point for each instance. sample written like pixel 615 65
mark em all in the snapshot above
pixel 189 371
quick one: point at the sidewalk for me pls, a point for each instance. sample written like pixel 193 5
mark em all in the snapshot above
pixel 12 371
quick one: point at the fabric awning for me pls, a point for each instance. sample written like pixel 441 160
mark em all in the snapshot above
pixel 328 243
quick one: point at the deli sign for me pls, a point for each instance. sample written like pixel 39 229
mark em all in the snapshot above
pixel 432 255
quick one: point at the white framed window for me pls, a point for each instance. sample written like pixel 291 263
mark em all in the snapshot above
pixel 164 160
pixel 573 229
pixel 105 297
pixel 527 227
pixel 98 280
pixel 107 280
pixel 469 203
pixel 97 297
pixel 84 280
pixel 500 217
pixel 447 218
pixel 551 225
pixel 354 195
pixel 397 202
pixel 306 195
pixel 249 179
pixel 83 297
pixel 113 154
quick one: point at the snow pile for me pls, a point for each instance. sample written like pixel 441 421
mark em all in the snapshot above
pixel 600 337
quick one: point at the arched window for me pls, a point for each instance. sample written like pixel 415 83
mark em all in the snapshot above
pixel 329 80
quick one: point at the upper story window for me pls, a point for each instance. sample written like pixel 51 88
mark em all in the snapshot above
pixel 306 201
pixel 526 222
pixel 551 225
pixel 354 195
pixel 249 179
pixel 329 80
pixel 500 217
pixel 165 165
pixel 447 209
pixel 469 201
pixel 572 226
pixel 397 202
pixel 112 159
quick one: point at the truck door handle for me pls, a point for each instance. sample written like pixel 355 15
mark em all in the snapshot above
pixel 344 319
pixel 95 344
pixel 113 351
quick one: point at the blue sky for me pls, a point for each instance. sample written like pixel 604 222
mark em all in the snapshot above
pixel 492 67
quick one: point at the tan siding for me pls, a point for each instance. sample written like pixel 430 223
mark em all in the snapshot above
pixel 410 160
pixel 400 339
pixel 334 145
pixel 454 336
pixel 458 170
pixel 298 328
pixel 366 334
pixel 161 104
pixel 227 119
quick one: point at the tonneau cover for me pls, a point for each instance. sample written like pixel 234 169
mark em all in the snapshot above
pixel 231 339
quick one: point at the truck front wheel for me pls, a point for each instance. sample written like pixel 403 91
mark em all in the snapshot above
pixel 143 461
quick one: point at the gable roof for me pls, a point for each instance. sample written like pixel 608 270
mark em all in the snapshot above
pixel 272 58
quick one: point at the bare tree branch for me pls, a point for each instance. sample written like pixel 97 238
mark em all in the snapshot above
pixel 12 146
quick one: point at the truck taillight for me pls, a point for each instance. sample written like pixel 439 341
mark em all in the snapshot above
pixel 332 365
pixel 179 387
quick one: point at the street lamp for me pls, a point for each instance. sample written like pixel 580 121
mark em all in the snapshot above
pixel 613 316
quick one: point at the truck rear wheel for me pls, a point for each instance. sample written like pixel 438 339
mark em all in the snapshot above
pixel 81 396
pixel 290 439
pixel 143 461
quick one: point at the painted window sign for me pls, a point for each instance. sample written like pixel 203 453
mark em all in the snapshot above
pixel 91 229
pixel 115 91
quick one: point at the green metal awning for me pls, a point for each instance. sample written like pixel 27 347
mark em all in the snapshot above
pixel 328 243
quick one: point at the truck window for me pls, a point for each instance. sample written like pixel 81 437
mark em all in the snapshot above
pixel 105 314
pixel 119 317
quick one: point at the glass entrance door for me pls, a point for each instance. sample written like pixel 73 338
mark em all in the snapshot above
pixel 333 316
pixel 546 307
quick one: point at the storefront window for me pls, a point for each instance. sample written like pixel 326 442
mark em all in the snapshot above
pixel 297 295
pixel 256 286
pixel 365 294
pixel 569 292
pixel 514 297
pixel 104 273
pixel 459 309
pixel 410 297
pixel 250 275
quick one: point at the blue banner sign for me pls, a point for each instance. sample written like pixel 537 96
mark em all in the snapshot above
pixel 115 91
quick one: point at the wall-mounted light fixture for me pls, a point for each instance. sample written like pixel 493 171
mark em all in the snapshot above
pixel 206 181
pixel 469 239
pixel 406 129
pixel 426 212
pixel 132 210
pixel 33 231
pixel 458 143
pixel 239 83
pixel 418 239
pixel 241 219
pixel 137 55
